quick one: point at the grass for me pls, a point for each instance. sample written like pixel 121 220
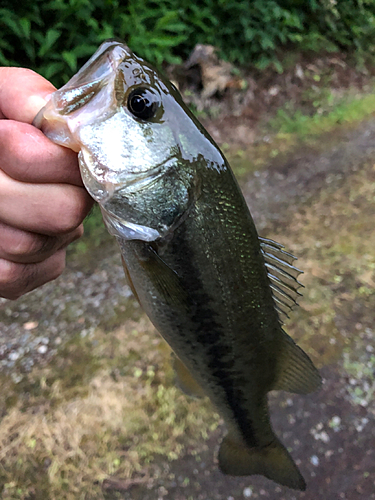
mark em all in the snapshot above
pixel 334 239
pixel 347 110
pixel 107 406
pixel 290 128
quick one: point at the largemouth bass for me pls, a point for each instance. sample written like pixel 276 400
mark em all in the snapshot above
pixel 213 289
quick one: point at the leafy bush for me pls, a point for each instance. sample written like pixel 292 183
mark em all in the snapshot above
pixel 54 37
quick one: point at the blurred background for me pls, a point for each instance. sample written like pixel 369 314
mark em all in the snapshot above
pixel 89 409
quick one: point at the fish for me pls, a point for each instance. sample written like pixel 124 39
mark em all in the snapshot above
pixel 214 289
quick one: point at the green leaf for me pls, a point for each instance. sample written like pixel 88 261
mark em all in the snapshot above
pixel 25 25
pixel 165 20
pixel 52 69
pixel 71 59
pixel 11 22
pixel 51 37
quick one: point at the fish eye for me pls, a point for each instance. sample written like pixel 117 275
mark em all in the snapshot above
pixel 143 103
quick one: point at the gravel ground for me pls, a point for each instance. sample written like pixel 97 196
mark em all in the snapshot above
pixel 33 327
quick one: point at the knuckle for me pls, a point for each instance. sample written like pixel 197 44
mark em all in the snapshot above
pixel 14 149
pixel 80 231
pixel 72 236
pixel 17 279
pixel 29 245
pixel 9 272
pixel 10 279
pixel 58 264
pixel 24 247
pixel 73 212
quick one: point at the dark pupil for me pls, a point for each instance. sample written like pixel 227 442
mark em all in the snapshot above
pixel 142 103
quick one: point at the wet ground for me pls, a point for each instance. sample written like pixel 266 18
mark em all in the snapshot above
pixel 320 203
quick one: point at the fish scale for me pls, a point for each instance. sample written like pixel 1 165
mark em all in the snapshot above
pixel 213 289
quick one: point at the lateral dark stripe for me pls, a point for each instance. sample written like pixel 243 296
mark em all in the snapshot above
pixel 209 334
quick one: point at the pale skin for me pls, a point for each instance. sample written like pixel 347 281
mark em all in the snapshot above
pixel 42 199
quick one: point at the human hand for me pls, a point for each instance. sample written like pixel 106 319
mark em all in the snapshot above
pixel 42 199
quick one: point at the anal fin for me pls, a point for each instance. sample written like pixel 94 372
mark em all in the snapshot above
pixel 184 379
pixel 295 371
pixel 272 461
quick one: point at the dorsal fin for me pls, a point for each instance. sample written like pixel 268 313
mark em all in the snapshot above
pixel 282 274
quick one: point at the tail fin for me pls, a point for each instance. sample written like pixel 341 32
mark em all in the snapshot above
pixel 272 461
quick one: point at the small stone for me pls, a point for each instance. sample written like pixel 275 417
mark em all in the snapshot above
pixel 299 72
pixel 273 91
pixel 42 349
pixel 335 422
pixel 30 325
pixel 247 492
pixel 323 436
pixel 291 419
pixel 314 460
pixel 16 377
pixel 13 356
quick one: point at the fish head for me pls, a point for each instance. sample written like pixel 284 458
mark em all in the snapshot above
pixel 125 120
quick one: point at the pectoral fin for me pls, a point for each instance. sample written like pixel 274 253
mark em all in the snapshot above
pixel 166 281
pixel 272 461
pixel 128 278
pixel 295 371
pixel 184 379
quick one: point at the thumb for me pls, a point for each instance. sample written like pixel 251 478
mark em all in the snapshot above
pixel 22 93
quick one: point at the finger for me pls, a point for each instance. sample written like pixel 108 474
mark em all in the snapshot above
pixel 50 209
pixel 22 93
pixel 24 247
pixel 18 279
pixel 27 155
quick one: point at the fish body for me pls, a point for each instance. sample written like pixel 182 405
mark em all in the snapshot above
pixel 191 253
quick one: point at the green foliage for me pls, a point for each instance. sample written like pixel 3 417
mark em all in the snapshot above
pixel 55 37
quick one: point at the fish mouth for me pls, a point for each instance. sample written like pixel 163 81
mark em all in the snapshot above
pixel 59 119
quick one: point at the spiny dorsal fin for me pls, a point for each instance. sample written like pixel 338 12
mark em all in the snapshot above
pixel 282 274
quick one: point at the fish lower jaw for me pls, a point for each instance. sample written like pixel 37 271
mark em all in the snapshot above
pixel 55 127
pixel 101 190
pixel 125 230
